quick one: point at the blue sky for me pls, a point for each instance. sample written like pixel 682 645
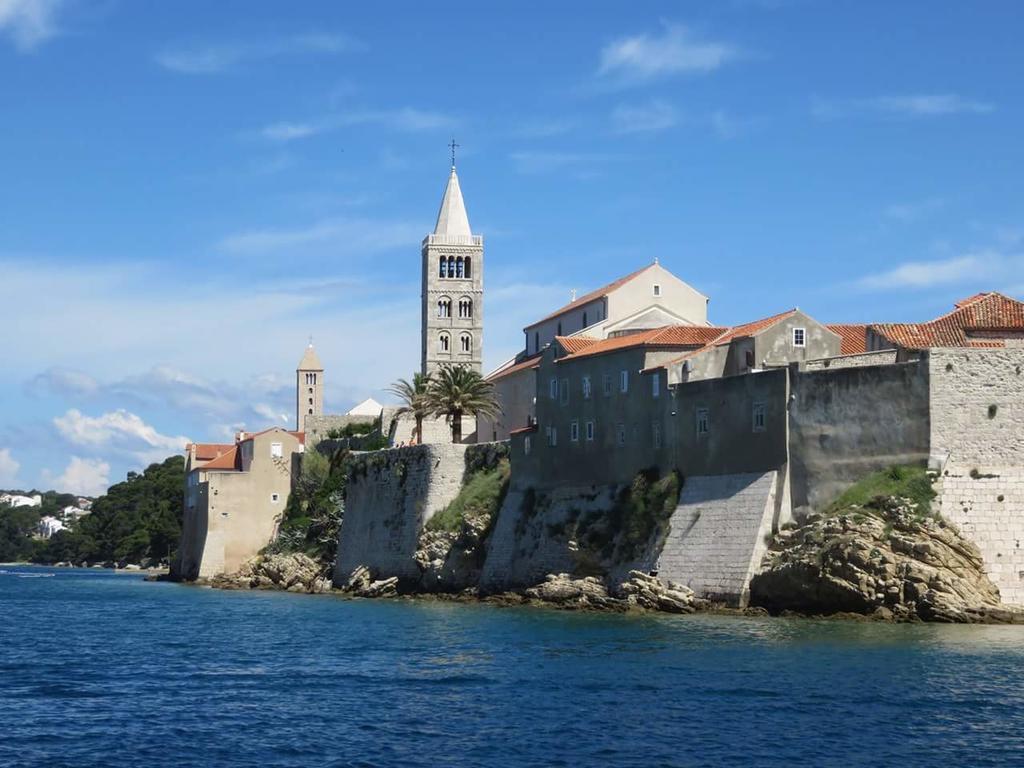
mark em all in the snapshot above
pixel 193 188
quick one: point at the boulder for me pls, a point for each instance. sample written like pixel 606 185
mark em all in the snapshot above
pixel 360 583
pixel 563 590
pixel 650 592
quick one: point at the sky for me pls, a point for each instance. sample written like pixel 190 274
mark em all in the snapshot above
pixel 193 189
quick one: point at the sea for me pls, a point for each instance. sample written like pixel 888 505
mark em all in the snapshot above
pixel 105 669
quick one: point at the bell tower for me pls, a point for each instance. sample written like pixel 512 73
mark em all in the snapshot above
pixel 453 286
pixel 309 388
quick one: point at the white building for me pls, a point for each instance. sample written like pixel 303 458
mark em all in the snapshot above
pixel 48 526
pixel 14 500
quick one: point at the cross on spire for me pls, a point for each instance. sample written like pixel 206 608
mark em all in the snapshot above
pixel 453 146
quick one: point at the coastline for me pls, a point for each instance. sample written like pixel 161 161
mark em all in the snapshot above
pixel 135 570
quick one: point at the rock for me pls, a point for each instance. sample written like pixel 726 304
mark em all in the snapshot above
pixel 293 571
pixel 563 590
pixel 883 560
pixel 650 592
pixel 360 583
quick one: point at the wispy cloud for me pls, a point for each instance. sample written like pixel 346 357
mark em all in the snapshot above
pixel 529 162
pixel 912 211
pixel 900 106
pixel 8 469
pixel 404 120
pixel 368 236
pixel 29 22
pixel 987 268
pixel 653 117
pixel 675 51
pixel 542 128
pixel 83 477
pixel 212 58
pixel 118 430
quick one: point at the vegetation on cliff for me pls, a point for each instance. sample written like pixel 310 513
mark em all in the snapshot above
pixel 136 521
pixel 481 496
pixel 315 507
pixel 879 550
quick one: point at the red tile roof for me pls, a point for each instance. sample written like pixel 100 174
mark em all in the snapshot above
pixel 207 451
pixel 670 337
pixel 854 337
pixel 750 329
pixel 975 322
pixel 574 344
pixel 586 298
pixel 228 461
pixel 523 365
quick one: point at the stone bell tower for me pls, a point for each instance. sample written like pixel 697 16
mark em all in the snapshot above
pixel 309 388
pixel 453 286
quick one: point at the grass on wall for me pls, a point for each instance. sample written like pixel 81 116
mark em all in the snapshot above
pixel 909 482
pixel 481 496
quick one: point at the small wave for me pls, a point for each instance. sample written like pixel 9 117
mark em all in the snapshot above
pixel 34 575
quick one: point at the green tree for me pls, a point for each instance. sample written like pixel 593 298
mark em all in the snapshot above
pixel 415 396
pixel 458 390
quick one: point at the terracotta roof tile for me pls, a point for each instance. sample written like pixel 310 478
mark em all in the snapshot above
pixel 523 365
pixel 227 461
pixel 975 322
pixel 588 297
pixel 671 336
pixel 854 337
pixel 207 451
pixel 574 344
pixel 749 329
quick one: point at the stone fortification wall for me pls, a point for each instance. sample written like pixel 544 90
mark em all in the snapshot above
pixel 401 429
pixel 391 494
pixel 718 534
pixel 977 446
pixel 880 357
pixel 318 427
pixel 849 422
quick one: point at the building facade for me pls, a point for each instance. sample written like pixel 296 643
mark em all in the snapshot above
pixel 453 288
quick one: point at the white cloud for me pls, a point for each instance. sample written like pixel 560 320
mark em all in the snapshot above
pixel 675 51
pixel 83 477
pixel 403 120
pixel 28 22
pixel 911 211
pixel 359 235
pixel 905 106
pixel 212 58
pixel 649 118
pixel 975 270
pixel 289 131
pixel 8 469
pixel 120 431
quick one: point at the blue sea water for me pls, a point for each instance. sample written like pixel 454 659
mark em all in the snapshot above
pixel 104 669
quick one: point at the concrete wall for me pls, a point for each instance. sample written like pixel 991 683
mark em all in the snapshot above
pixel 774 346
pixel 846 423
pixel 979 451
pixel 678 297
pixel 571 321
pixel 864 359
pixel 718 534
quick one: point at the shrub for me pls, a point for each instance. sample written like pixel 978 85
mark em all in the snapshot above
pixel 908 482
pixel 480 496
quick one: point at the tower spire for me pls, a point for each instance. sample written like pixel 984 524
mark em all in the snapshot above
pixel 453 146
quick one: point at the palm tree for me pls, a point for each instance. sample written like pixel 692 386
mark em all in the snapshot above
pixel 415 398
pixel 458 390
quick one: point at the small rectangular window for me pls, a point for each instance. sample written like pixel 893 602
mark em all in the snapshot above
pixel 274 498
pixel 623 381
pixel 620 434
pixel 656 433
pixel 590 431
pixel 563 392
pixel 703 421
pixel 586 387
pixel 607 385
pixel 276 451
pixel 655 385
pixel 759 417
pixel 799 337
pixel 574 431
pixel 552 435
pixel 527 445
pixel 554 389
pixel 657 289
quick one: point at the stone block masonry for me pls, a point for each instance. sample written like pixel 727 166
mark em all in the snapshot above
pixel 719 534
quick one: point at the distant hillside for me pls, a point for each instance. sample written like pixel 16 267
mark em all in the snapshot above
pixel 136 521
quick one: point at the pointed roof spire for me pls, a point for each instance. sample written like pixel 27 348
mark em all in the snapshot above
pixel 309 361
pixel 452 218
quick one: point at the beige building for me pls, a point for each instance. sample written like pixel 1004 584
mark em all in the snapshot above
pixel 235 496
pixel 645 300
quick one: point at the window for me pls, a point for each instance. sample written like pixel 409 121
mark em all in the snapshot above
pixel 536 341
pixel 443 343
pixel 655 385
pixel 442 268
pixel 584 319
pixel 311 401
pixel 759 417
pixel 750 358
pixel 451 266
pixel 590 431
pixel 799 337
pixel 444 308
pixel 657 289
pixel 274 498
pixel 586 387
pixel 623 381
pixel 656 434
pixel 563 392
pixel 465 308
pixel 607 385
pixel 559 328
pixel 467 342
pixel 527 445
pixel 703 422
pixel 468 274
pixel 574 431
pixel 620 434
pixel 310 411
pixel 553 389
pixel 311 390
pixel 552 433
pixel 458 267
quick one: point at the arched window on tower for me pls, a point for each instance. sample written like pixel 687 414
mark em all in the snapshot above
pixel 465 308
pixel 451 266
pixel 443 343
pixel 444 308
pixel 458 267
pixel 467 343
pixel 468 273
pixel 441 270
